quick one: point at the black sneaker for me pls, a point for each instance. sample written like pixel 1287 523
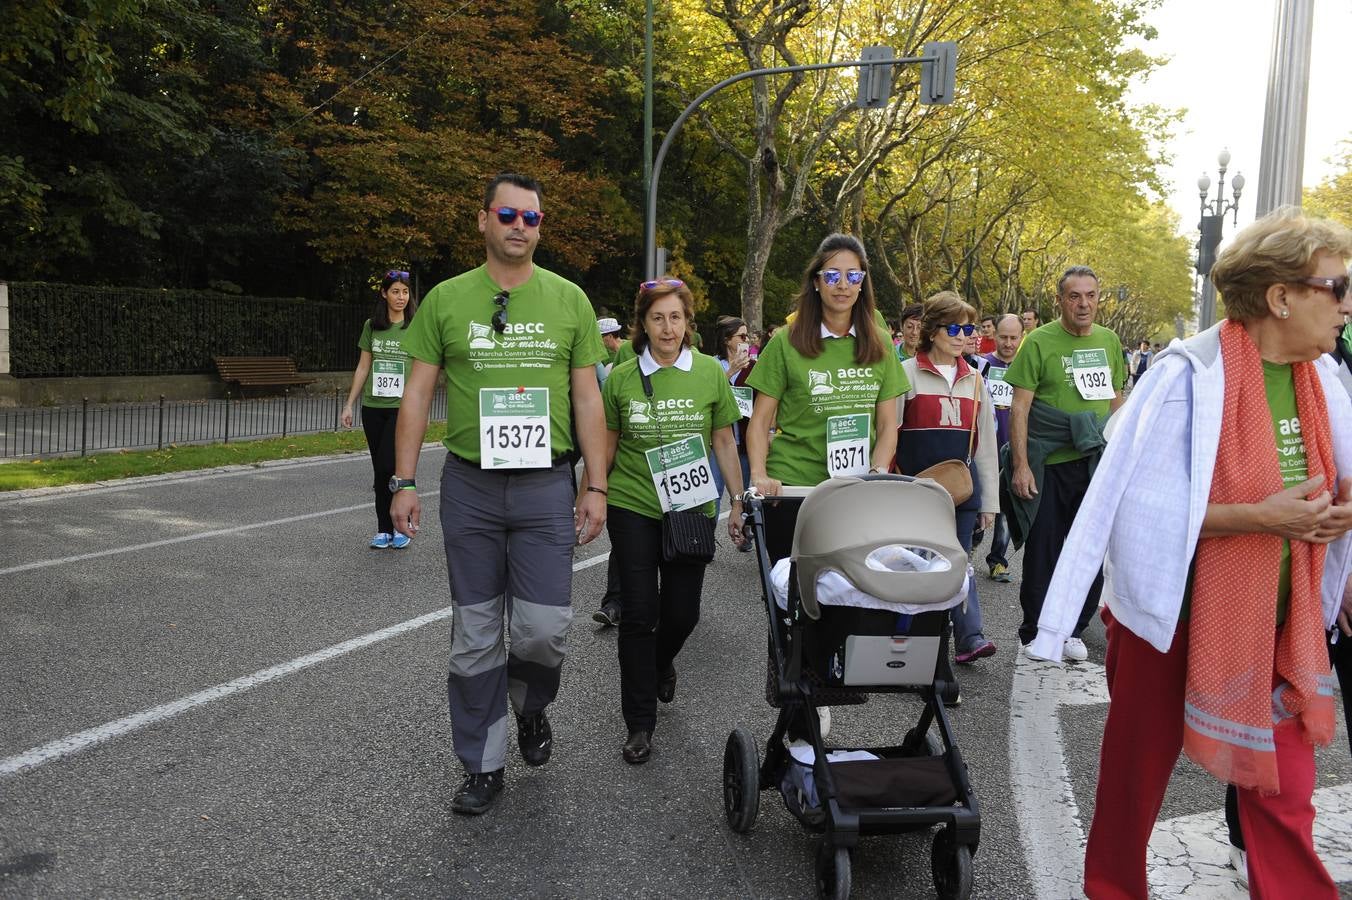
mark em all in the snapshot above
pixel 535 738
pixel 478 792
pixel 607 615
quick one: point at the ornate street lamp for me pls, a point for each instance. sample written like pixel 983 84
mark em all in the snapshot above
pixel 1211 227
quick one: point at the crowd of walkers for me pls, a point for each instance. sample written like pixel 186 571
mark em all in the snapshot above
pixel 1220 486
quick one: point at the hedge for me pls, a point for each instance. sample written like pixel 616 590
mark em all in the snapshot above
pixel 70 330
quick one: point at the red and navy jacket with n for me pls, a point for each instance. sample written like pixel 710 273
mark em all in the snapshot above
pixel 935 420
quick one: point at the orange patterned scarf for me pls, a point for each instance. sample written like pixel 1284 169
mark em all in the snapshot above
pixel 1244 675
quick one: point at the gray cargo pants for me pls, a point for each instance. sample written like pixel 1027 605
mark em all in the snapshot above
pixel 509 549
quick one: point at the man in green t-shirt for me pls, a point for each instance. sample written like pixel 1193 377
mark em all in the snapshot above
pixel 1072 366
pixel 520 346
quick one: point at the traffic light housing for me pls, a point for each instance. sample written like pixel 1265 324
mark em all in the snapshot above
pixel 1208 244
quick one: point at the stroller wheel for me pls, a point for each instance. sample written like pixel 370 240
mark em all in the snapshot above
pixel 741 781
pixel 833 872
pixel 952 867
pixel 927 744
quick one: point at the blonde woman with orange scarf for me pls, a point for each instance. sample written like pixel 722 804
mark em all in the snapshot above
pixel 1233 458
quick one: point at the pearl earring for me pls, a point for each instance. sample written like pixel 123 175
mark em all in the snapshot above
pixel 1286 313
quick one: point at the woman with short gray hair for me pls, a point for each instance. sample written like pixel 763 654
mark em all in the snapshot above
pixel 1224 501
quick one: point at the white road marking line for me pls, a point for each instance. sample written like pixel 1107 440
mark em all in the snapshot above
pixel 82 740
pixel 181 539
pixel 1044 799
pixel 1189 857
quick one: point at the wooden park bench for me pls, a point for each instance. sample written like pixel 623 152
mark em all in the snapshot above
pixel 260 371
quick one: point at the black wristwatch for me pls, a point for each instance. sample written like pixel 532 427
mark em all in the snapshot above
pixel 400 484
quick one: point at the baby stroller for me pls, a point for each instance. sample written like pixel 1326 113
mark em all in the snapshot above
pixel 892 538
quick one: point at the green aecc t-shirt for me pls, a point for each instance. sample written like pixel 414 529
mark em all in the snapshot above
pixel 1280 386
pixel 551 330
pixel 389 365
pixel 683 403
pixel 812 391
pixel 1045 365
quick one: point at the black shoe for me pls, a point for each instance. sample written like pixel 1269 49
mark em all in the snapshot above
pixel 638 748
pixel 478 793
pixel 535 738
pixel 607 615
pixel 666 685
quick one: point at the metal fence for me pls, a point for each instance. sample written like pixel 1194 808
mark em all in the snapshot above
pixel 93 427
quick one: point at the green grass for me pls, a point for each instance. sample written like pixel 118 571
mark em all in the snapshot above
pixel 130 463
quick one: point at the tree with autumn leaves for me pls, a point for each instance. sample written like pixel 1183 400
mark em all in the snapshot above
pixel 293 147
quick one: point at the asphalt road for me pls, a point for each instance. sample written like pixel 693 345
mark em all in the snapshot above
pixel 293 737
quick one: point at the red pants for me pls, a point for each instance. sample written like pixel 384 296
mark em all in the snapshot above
pixel 1141 743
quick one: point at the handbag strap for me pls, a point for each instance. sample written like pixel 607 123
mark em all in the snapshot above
pixel 657 423
pixel 976 412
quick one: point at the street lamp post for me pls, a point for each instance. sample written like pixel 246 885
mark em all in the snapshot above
pixel 1211 227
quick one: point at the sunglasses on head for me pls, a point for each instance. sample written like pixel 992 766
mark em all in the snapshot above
pixel 832 276
pixel 508 214
pixel 661 282
pixel 499 320
pixel 397 274
pixel 1335 286
pixel 955 330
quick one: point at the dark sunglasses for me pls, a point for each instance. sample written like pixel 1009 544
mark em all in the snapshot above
pixel 832 276
pixel 499 320
pixel 661 282
pixel 398 274
pixel 1335 286
pixel 508 214
pixel 955 330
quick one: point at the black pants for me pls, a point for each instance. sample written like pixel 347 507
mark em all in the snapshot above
pixel 378 423
pixel 659 608
pixel 1062 489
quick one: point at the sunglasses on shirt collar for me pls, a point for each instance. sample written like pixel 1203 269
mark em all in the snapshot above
pixel 499 320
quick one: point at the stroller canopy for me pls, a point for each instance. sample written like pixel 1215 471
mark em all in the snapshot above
pixel 846 520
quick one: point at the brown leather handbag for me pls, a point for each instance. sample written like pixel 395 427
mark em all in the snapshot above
pixel 955 475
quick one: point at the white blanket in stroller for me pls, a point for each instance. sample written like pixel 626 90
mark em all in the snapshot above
pixel 834 590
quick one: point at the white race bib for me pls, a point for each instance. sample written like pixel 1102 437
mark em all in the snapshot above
pixel 387 379
pixel 514 428
pixel 745 400
pixel 1093 378
pixel 847 445
pixel 682 474
pixel 1002 392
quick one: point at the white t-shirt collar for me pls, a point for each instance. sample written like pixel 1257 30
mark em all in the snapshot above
pixel 647 365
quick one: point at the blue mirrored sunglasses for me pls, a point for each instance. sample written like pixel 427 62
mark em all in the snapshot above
pixel 832 276
pixel 507 215
pixel 955 330
pixel 661 282
pixel 397 274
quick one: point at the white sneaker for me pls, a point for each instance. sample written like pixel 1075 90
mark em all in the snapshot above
pixel 1075 649
pixel 1028 652
pixel 1239 861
